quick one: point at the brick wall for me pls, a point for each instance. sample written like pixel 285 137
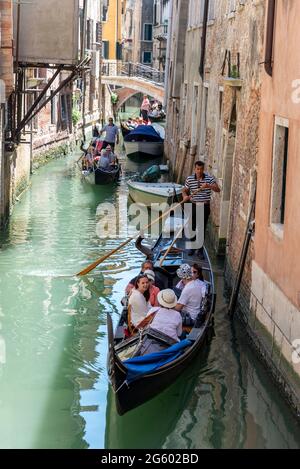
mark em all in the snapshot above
pixel 6 59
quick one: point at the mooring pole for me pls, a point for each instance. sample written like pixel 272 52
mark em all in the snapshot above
pixel 242 262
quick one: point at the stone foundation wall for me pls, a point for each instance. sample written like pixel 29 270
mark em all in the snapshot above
pixel 262 310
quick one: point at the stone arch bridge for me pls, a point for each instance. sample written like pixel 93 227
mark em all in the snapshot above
pixel 133 78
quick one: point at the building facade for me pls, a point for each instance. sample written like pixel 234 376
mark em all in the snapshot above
pixel 222 108
pixel 71 112
pixel 127 29
pixel 6 88
pixel 142 36
pixel 275 292
pixel 161 18
pixel 112 31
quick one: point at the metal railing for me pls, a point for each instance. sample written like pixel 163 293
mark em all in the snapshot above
pixel 130 69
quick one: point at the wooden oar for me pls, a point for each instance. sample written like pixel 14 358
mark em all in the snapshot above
pixel 103 258
pixel 174 241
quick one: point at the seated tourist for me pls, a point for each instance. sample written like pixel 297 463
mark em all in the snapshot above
pixel 138 304
pixel 166 319
pixel 107 159
pixel 147 265
pixel 190 300
pixel 88 158
pixel 154 291
pixel 154 113
pixel 198 275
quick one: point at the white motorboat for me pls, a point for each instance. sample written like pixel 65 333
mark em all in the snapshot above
pixel 148 193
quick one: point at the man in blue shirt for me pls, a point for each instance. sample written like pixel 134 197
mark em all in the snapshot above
pixel 111 134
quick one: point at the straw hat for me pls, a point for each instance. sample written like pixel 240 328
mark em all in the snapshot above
pixel 167 299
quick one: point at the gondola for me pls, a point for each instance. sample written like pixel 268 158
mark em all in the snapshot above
pixel 159 118
pixel 100 176
pixel 133 386
pixel 125 130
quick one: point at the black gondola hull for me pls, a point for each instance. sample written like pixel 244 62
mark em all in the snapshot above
pixel 100 177
pixel 140 391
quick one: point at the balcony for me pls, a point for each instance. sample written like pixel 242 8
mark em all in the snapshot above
pixel 160 32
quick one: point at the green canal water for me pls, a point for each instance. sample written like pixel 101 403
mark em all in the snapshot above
pixel 54 391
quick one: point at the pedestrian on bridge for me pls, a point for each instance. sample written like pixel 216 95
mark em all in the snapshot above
pixel 145 108
pixel 111 134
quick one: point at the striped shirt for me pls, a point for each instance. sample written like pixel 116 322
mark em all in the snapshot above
pixel 193 184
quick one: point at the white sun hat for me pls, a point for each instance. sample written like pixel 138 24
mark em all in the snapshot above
pixel 167 298
pixel 150 274
pixel 185 272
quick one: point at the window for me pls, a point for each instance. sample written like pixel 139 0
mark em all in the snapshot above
pixel 105 49
pixel 156 19
pixel 147 32
pixel 184 103
pixel 196 8
pixel 63 112
pixel 196 12
pixel 195 115
pixel 118 51
pixel 203 118
pixel 147 57
pixel 104 13
pixel 98 32
pixel 89 34
pixel 53 109
pixel 279 171
pixel 211 11
pixel 231 6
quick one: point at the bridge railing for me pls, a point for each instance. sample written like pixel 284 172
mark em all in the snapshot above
pixel 130 69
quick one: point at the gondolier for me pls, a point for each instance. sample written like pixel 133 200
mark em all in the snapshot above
pixel 207 184
pixel 111 134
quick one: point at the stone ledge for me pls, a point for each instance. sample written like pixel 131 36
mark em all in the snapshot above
pixel 233 82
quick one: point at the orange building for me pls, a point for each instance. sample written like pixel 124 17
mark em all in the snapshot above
pixel 276 266
pixel 112 33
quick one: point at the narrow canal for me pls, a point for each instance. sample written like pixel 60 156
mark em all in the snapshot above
pixel 54 391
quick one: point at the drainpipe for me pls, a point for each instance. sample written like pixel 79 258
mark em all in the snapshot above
pixel 82 55
pixel 167 66
pixel 270 37
pixel 203 39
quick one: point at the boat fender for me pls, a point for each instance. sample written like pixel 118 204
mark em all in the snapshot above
pixel 151 174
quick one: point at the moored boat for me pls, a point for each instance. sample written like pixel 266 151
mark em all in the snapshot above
pixel 101 176
pixel 144 142
pixel 135 377
pixel 146 193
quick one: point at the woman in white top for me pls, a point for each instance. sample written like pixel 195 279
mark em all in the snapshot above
pixel 167 320
pixel 139 300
